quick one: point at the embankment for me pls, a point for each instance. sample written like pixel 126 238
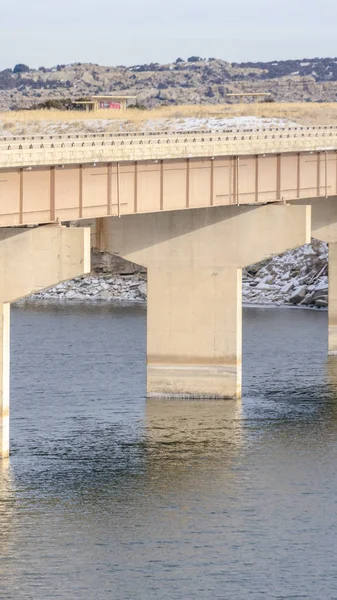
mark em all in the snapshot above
pixel 298 278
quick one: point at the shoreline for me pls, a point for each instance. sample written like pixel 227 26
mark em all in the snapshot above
pixel 121 302
pixel 297 278
pixel 132 295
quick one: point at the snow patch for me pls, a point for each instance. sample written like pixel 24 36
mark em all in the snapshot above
pixel 120 125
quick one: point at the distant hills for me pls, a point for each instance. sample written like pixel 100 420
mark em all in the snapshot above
pixel 191 81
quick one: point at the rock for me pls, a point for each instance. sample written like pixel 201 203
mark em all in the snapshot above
pixel 308 300
pixel 142 288
pixel 105 295
pixel 322 295
pixel 321 286
pixel 70 295
pixel 298 295
pixel 289 286
pixel 308 250
pixel 266 286
pixel 321 303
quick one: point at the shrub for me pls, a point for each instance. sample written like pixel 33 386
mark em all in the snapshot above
pixel 20 68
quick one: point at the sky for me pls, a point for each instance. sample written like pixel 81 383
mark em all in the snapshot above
pixel 115 32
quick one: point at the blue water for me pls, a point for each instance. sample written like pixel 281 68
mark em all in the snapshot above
pixel 110 496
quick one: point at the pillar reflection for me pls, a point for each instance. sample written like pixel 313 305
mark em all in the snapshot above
pixel 331 371
pixel 6 506
pixel 191 437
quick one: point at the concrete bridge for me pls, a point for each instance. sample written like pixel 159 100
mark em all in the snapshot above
pixel 193 207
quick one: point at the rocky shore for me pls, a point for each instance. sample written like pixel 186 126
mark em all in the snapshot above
pixel 104 287
pixel 296 278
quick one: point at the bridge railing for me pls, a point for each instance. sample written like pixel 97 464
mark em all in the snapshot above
pixel 86 148
pixel 164 133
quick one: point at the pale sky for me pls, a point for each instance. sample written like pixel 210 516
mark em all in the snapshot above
pixel 112 32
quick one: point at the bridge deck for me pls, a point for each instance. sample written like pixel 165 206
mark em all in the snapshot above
pixel 48 178
pixel 74 149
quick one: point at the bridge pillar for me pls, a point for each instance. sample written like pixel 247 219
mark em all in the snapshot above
pixel 332 314
pixel 32 259
pixel 194 332
pixel 194 260
pixel 4 380
pixel 324 228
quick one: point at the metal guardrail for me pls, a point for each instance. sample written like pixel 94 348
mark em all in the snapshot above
pixel 129 146
pixel 127 134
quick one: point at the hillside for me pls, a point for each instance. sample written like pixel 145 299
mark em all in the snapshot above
pixel 194 81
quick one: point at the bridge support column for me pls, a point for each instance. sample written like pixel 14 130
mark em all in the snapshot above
pixel 33 259
pixel 4 380
pixel 324 228
pixel 332 315
pixel 194 260
pixel 194 332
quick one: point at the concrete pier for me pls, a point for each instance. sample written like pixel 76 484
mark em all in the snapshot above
pixel 324 228
pixel 32 259
pixel 332 338
pixel 194 332
pixel 4 379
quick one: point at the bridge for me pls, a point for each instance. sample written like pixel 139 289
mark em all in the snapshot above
pixel 193 207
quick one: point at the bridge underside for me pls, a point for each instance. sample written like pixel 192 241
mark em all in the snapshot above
pixel 79 191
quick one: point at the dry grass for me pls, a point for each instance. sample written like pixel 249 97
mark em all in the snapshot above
pixel 48 121
pixel 306 110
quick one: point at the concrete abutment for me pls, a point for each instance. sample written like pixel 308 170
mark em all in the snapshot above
pixel 194 260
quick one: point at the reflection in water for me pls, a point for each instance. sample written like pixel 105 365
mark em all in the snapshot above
pixel 185 435
pixel 204 424
pixel 331 370
pixel 5 480
pixel 6 504
pixel 110 496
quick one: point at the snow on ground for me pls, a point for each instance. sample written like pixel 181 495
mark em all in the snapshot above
pixel 195 124
pixel 298 277
pixel 45 127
